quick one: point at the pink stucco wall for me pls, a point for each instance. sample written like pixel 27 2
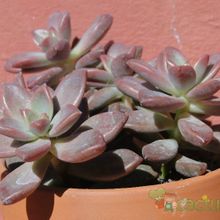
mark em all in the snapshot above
pixel 193 26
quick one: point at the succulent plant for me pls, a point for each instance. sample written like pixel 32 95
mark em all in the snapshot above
pixel 59 55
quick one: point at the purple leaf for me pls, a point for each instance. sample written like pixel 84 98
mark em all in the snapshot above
pixel 130 86
pixel 40 35
pixel 146 121
pixel 41 101
pixel 153 76
pixel 26 60
pixel 182 77
pixel 111 166
pixel 94 33
pixel 6 149
pixel 109 124
pixel 21 182
pixel 118 49
pixel 99 75
pixel 205 90
pixel 195 131
pixel 160 150
pixel 40 126
pixel 210 74
pixel 45 76
pixel 103 97
pixel 119 107
pixel 33 150
pixel 12 128
pixel 189 167
pixel 80 147
pixel 200 67
pixel 106 61
pixel 71 88
pixel 64 120
pixel 158 101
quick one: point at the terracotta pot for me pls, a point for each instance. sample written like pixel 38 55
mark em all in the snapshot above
pixel 197 197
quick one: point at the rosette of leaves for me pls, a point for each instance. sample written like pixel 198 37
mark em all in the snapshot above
pixel 40 125
pixel 59 55
pixel 104 70
pixel 175 100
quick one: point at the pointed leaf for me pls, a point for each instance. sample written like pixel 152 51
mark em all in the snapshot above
pixel 200 67
pixel 117 49
pixel 41 101
pixel 33 150
pixel 39 36
pixel 146 121
pixel 40 126
pixel 103 97
pixel 45 76
pixel 22 181
pixel 130 86
pixel 160 150
pixel 158 101
pixel 99 75
pixel 94 33
pixel 151 75
pixel 205 90
pixel 111 166
pixel 79 148
pixel 109 124
pixel 6 149
pixel 27 60
pixel 195 131
pixel 211 73
pixel 189 167
pixel 71 88
pixel 64 120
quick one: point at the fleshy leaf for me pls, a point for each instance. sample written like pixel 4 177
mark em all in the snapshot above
pixel 80 147
pixel 99 75
pixel 200 67
pixel 111 166
pixel 160 150
pixel 39 36
pixel 6 149
pixel 21 182
pixel 130 86
pixel 153 76
pixel 158 101
pixel 94 33
pixel 64 120
pixel 33 150
pixel 103 97
pixel 195 131
pixel 71 88
pixel 109 124
pixel 40 126
pixel 118 49
pixel 26 60
pixel 205 90
pixel 146 121
pixel 45 76
pixel 189 167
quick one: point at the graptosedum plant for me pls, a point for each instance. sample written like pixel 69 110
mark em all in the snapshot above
pixel 100 116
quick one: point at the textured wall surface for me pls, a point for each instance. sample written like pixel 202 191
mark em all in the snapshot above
pixel 193 26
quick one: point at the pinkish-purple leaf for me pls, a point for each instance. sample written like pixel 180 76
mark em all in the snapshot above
pixel 33 150
pixel 160 150
pixel 21 182
pixel 205 90
pixel 117 49
pixel 39 36
pixel 99 75
pixel 103 97
pixel 41 101
pixel 71 88
pixel 146 121
pixel 130 86
pixel 183 78
pixel 106 61
pixel 200 67
pixel 44 77
pixel 40 126
pixel 189 167
pixel 119 107
pixel 14 129
pixel 26 60
pixel 64 120
pixel 158 101
pixel 109 124
pixel 111 165
pixel 211 73
pixel 156 78
pixel 6 149
pixel 195 131
pixel 93 34
pixel 80 147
